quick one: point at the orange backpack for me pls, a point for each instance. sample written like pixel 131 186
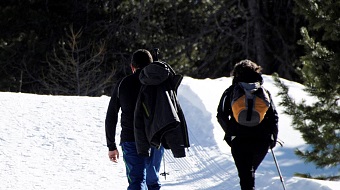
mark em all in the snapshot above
pixel 249 103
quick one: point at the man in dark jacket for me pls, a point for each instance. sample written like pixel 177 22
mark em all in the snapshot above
pixel 249 145
pixel 142 172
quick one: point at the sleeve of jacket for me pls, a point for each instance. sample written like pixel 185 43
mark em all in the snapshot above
pixel 224 110
pixel 112 119
pixel 142 143
pixel 224 114
pixel 273 119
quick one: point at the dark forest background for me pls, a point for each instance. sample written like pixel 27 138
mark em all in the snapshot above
pixel 82 47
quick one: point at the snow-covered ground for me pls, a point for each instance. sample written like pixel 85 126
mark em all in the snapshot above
pixel 58 142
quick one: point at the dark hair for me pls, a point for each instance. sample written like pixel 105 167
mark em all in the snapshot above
pixel 247 71
pixel 141 58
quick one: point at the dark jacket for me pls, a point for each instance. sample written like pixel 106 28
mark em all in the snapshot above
pixel 267 129
pixel 159 118
pixel 124 97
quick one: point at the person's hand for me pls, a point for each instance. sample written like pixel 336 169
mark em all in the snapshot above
pixel 114 156
pixel 272 144
pixel 273 140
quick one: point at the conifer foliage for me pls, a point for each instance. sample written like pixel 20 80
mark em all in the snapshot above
pixel 201 39
pixel 319 122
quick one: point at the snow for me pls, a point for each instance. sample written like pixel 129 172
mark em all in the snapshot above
pixel 58 142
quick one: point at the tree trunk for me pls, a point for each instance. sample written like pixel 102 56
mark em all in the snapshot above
pixel 258 40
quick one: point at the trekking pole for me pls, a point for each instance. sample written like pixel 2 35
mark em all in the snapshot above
pixel 164 173
pixel 278 170
pixel 156 50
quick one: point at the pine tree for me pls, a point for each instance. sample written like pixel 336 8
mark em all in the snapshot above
pixel 318 122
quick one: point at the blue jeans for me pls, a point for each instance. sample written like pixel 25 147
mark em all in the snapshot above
pixel 142 172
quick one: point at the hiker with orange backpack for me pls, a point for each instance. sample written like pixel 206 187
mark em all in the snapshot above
pixel 248 116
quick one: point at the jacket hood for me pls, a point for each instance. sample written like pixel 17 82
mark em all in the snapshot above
pixel 153 74
pixel 252 87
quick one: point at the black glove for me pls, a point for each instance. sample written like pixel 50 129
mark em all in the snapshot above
pixel 273 140
pixel 227 139
pixel 272 144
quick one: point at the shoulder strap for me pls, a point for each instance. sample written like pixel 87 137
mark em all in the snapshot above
pixel 120 82
pixel 226 93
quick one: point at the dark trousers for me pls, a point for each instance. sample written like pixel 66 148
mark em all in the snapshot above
pixel 248 154
pixel 142 172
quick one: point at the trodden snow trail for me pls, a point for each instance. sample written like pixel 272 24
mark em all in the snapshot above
pixel 58 142
pixel 204 161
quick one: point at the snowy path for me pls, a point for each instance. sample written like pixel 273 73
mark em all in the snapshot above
pixel 58 143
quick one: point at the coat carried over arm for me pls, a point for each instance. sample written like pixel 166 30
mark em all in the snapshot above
pixel 159 119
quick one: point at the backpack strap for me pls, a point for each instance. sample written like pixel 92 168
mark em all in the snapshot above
pixel 227 94
pixel 118 91
pixel 250 108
